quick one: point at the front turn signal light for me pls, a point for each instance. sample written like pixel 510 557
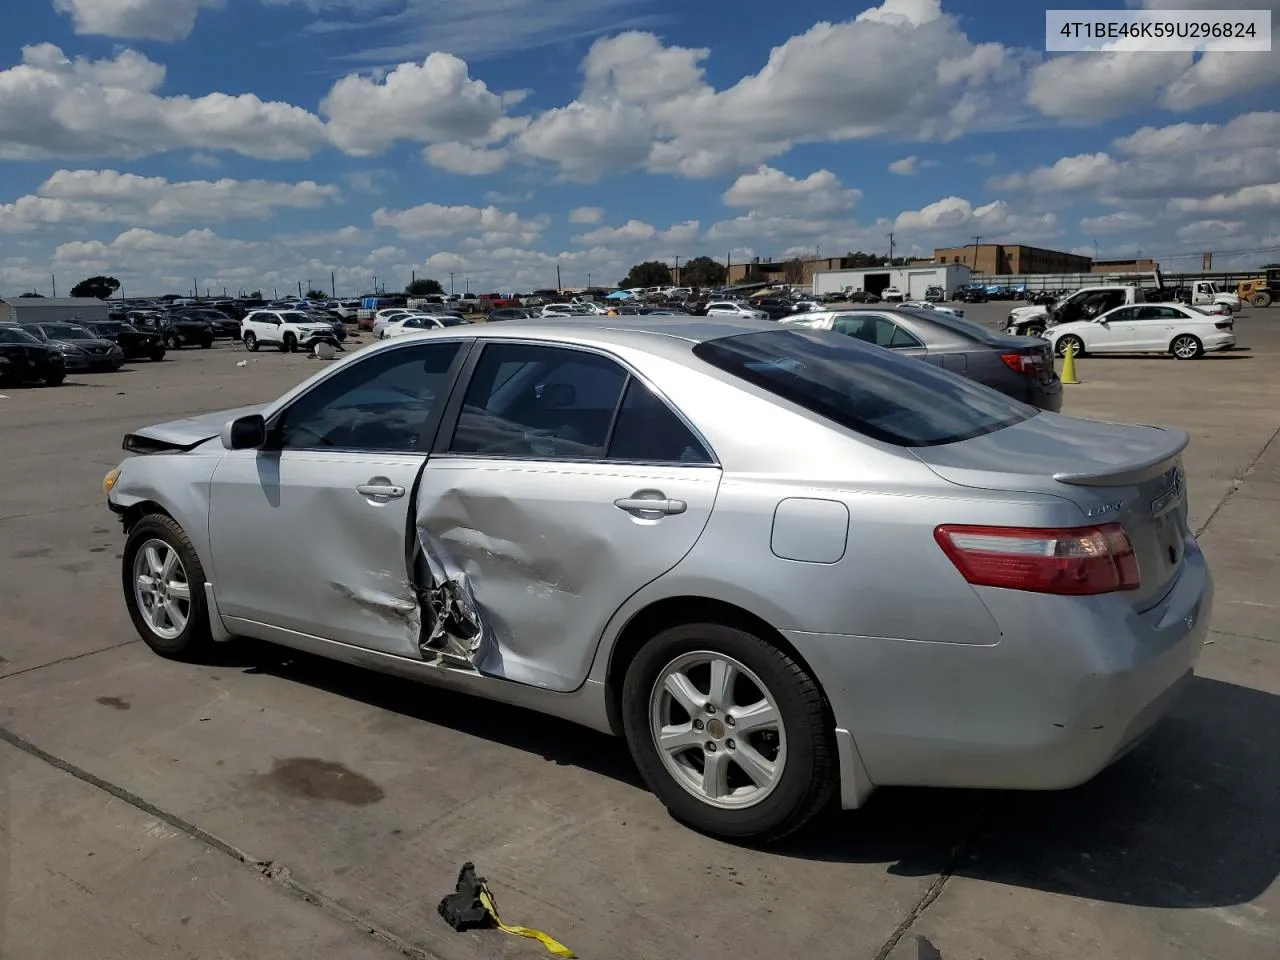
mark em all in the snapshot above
pixel 109 481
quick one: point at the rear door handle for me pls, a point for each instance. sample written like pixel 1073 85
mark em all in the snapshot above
pixel 380 488
pixel 651 505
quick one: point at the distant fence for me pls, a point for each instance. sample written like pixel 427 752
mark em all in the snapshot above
pixel 1073 281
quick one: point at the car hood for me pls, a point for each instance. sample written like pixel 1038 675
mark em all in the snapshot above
pixel 185 434
pixel 84 344
pixel 1022 312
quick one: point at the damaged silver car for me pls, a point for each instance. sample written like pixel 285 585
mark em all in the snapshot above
pixel 785 565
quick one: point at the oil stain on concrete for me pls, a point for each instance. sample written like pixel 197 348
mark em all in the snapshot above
pixel 115 703
pixel 313 779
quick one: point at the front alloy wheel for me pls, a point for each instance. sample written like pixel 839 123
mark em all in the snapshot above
pixel 163 582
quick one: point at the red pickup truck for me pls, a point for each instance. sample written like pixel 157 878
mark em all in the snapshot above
pixel 492 301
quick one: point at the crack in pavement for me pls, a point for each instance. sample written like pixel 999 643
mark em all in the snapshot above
pixel 69 659
pixel 1237 483
pixel 269 869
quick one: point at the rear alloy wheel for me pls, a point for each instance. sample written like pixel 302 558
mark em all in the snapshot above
pixel 1186 347
pixel 289 344
pixel 163 584
pixel 729 731
pixel 251 342
pixel 1072 341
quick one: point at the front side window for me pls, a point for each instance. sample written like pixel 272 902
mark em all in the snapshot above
pixel 1123 315
pixel 382 403
pixel 892 399
pixel 536 401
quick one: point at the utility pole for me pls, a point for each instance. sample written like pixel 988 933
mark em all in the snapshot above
pixel 333 286
pixel 891 246
pixel 54 279
pixel 375 284
pixel 559 285
pixel 451 283
pixel 299 289
pixel 588 281
pixel 413 277
pixel 195 288
pixel 676 276
pixel 976 241
pixel 467 279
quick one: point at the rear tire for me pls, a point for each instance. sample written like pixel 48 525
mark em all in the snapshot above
pixel 206 343
pixel 1261 300
pixel 795 755
pixel 1186 347
pixel 172 625
pixel 55 380
pixel 157 356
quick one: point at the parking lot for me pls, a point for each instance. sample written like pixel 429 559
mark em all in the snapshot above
pixel 276 804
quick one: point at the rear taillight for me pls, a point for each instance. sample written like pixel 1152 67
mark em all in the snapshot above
pixel 1027 364
pixel 1225 324
pixel 1078 561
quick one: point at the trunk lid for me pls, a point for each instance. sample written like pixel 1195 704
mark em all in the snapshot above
pixel 1114 472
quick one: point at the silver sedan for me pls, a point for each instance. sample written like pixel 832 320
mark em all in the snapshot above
pixel 785 565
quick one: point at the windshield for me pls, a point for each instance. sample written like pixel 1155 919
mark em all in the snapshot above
pixel 865 389
pixel 109 327
pixel 66 331
pixel 297 317
pixel 14 335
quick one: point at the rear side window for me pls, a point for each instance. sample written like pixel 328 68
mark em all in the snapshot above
pixel 891 399
pixel 648 430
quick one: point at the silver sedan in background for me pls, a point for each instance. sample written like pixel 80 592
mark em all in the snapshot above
pixel 785 565
pixel 1021 367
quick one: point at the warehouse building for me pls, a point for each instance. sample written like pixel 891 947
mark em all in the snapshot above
pixel 914 281
pixel 1000 258
pixel 53 309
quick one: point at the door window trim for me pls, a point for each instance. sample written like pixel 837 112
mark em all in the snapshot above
pixel 430 429
pixel 453 411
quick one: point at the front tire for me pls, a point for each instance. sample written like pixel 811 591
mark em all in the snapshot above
pixel 157 356
pixel 1186 347
pixel 206 343
pixel 55 380
pixel 746 748
pixel 251 342
pixel 163 583
pixel 1076 344
pixel 289 344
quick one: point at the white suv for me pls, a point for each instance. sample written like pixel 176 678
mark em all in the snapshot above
pixel 724 308
pixel 286 329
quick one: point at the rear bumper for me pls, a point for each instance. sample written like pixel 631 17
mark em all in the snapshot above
pixel 1073 684
pixel 1222 341
pixel 1045 394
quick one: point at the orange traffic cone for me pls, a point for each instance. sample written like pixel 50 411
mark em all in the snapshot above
pixel 1069 365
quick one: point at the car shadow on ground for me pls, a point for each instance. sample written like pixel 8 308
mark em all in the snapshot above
pixel 1190 819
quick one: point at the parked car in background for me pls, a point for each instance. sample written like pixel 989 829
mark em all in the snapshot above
pixel 28 359
pixel 935 294
pixel 773 307
pixel 1186 332
pixel 133 343
pixel 81 348
pixel 1020 367
pixel 726 308
pixel 222 325
pixel 906 579
pixel 288 330
pixel 419 323
pixel 509 313
pixel 926 305
pixel 974 295
pixel 892 295
pixel 175 331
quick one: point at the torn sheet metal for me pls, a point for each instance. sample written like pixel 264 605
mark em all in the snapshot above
pixel 456 630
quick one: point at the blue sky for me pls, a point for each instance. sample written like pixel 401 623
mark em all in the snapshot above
pixel 258 143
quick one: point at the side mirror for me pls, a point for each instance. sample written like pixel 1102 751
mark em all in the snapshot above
pixel 245 433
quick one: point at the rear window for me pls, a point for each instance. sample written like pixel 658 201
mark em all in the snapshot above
pixel 960 325
pixel 892 399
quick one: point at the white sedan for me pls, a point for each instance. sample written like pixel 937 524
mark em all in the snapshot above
pixel 1185 332
pixel 420 322
pixel 926 305
pixel 725 308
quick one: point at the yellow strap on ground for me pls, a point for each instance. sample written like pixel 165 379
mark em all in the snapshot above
pixel 554 946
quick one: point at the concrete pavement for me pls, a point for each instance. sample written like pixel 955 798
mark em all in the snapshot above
pixel 286 806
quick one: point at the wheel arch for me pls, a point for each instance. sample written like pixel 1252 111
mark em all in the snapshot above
pixel 668 612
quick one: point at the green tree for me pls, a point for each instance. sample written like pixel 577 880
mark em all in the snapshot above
pixel 651 273
pixel 424 287
pixel 703 272
pixel 317 295
pixel 99 287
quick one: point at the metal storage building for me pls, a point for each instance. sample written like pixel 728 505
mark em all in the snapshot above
pixel 53 309
pixel 913 281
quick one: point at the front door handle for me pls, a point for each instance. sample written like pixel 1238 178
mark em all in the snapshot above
pixel 380 489
pixel 651 505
